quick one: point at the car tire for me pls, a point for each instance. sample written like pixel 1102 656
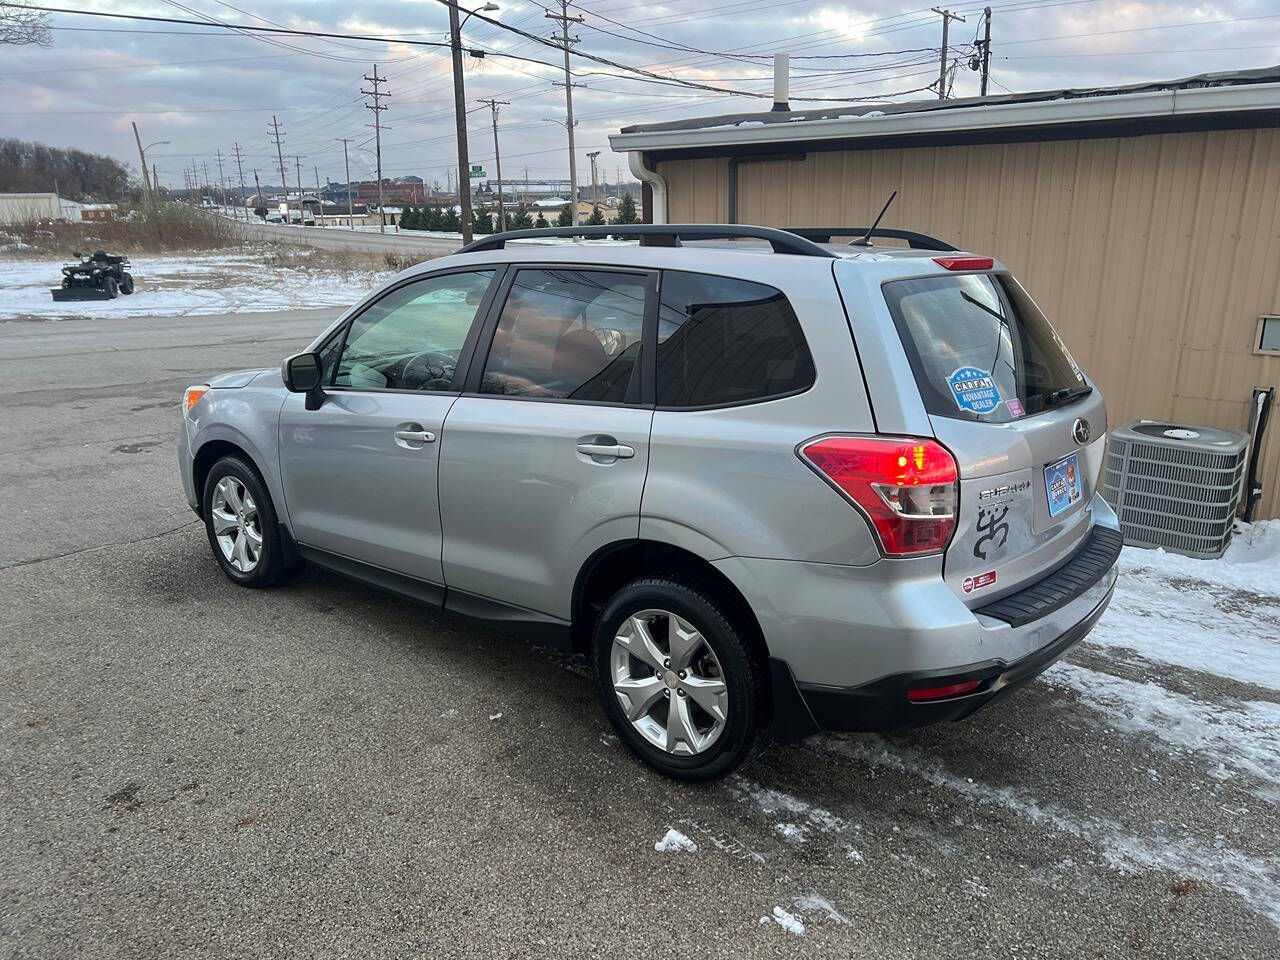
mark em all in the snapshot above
pixel 659 678
pixel 245 540
pixel 112 288
pixel 126 283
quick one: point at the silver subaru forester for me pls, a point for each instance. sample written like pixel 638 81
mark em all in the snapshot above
pixel 769 486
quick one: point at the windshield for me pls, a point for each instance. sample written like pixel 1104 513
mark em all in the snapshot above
pixel 979 347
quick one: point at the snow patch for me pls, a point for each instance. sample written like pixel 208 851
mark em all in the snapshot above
pixel 787 921
pixel 813 901
pixel 675 842
pixel 1242 735
pixel 496 716
pixel 1257 882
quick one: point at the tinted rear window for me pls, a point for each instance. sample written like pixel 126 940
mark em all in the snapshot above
pixel 979 348
pixel 724 341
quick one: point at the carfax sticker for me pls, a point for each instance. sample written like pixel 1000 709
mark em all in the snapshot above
pixel 974 390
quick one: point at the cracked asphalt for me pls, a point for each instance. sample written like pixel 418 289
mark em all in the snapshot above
pixel 192 769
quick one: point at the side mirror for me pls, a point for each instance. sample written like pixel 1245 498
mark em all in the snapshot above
pixel 301 374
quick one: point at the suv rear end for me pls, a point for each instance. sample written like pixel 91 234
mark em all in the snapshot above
pixel 977 480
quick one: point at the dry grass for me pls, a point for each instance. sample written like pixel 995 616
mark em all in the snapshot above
pixel 169 228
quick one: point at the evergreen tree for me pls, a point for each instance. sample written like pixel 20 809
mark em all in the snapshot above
pixel 449 220
pixel 541 222
pixel 596 219
pixel 565 219
pixel 409 219
pixel 627 210
pixel 520 220
pixel 431 218
pixel 483 222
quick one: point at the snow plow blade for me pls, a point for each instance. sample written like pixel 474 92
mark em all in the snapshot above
pixel 79 293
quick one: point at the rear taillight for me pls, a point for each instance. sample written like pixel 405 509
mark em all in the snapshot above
pixel 907 487
pixel 965 263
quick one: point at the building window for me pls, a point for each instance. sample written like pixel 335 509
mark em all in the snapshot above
pixel 1268 334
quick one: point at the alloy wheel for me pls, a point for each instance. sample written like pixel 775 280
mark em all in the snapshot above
pixel 668 682
pixel 236 524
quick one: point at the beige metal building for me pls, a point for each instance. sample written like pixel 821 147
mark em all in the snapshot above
pixel 1145 220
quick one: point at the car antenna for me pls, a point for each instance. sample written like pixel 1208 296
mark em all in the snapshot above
pixel 865 239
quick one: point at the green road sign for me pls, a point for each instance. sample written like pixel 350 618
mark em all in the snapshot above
pixel 476 171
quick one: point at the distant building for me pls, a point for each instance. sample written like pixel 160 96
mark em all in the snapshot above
pixel 97 212
pixel 30 207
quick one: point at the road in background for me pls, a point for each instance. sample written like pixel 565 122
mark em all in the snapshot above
pixel 194 769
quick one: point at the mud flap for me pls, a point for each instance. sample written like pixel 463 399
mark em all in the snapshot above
pixel 792 719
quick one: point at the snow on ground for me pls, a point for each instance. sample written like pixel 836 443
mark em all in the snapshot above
pixel 675 842
pixel 787 921
pixel 1219 617
pixel 186 285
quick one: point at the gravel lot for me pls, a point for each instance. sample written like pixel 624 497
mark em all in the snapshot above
pixel 192 769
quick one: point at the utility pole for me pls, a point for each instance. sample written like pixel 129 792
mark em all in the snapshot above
pixel 947 17
pixel 497 158
pixel 460 123
pixel 986 51
pixel 284 177
pixel 351 210
pixel 155 181
pixel 377 108
pixel 595 193
pixel 257 191
pixel 297 172
pixel 240 170
pixel 207 188
pixel 564 19
pixel 222 184
pixel 142 158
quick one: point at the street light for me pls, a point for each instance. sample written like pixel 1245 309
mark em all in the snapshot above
pixel 460 110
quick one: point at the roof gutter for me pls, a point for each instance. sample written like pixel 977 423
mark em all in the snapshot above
pixel 657 184
pixel 1043 113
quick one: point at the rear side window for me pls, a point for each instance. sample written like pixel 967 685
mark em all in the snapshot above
pixel 979 347
pixel 569 335
pixel 723 341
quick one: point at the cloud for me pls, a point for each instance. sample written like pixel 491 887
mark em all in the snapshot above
pixel 205 90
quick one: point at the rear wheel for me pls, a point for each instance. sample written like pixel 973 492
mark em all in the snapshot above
pixel 679 680
pixel 240 521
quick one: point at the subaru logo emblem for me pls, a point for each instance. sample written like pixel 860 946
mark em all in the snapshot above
pixel 1080 430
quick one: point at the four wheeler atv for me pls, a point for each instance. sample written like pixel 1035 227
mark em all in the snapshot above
pixel 96 277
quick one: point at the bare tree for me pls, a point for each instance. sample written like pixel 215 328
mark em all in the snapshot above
pixel 21 25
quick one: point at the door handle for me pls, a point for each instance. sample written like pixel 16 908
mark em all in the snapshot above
pixel 618 450
pixel 416 436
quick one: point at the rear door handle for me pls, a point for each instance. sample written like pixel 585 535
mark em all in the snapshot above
pixel 416 436
pixel 619 450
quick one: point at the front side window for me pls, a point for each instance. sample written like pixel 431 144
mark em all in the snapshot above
pixel 725 341
pixel 569 335
pixel 411 338
pixel 979 348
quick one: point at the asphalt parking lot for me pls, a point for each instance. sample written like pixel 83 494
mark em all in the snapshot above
pixel 192 769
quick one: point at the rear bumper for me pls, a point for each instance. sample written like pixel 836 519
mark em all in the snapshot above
pixel 884 704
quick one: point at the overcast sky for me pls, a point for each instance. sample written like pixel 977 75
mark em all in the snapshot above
pixel 205 89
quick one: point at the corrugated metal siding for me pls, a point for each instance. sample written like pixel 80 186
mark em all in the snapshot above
pixel 1152 255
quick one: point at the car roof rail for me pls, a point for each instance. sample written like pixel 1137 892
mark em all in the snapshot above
pixel 917 241
pixel 665 235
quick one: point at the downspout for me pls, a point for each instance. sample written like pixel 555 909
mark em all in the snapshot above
pixel 657 184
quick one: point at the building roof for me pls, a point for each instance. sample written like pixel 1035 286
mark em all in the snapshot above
pixel 1239 91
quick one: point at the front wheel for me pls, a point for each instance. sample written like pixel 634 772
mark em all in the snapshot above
pixel 679 680
pixel 112 288
pixel 126 283
pixel 240 521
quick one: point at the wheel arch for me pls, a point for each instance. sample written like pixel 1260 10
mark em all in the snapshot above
pixel 618 563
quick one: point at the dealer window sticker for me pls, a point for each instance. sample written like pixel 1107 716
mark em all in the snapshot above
pixel 974 390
